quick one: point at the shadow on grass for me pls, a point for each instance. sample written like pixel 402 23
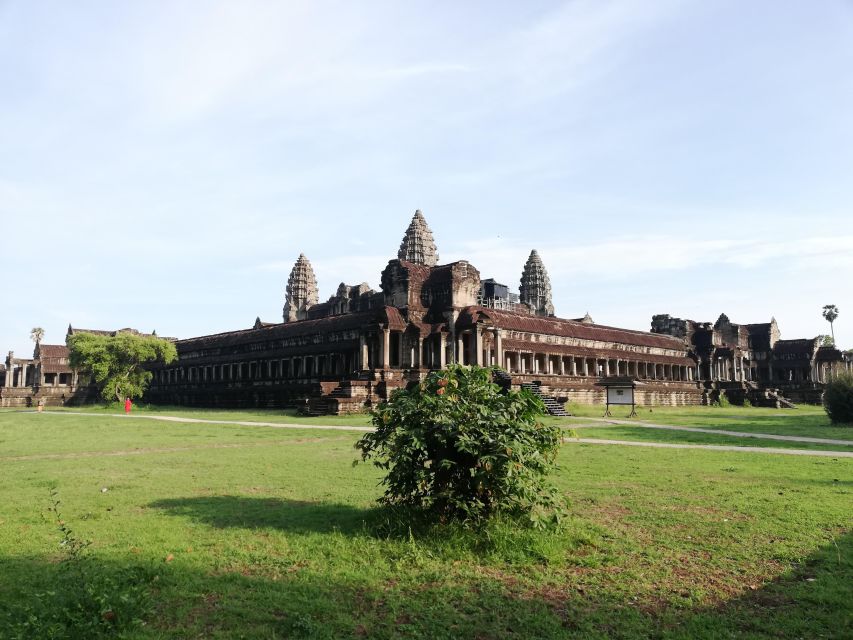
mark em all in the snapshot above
pixel 812 601
pixel 294 516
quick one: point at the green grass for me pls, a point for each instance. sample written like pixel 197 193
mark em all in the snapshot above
pixel 283 416
pixel 272 533
pixel 805 420
pixel 641 434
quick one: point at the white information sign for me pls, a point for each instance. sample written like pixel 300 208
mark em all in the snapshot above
pixel 616 395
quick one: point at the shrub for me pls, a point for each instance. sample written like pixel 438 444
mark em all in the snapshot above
pixel 838 398
pixel 456 447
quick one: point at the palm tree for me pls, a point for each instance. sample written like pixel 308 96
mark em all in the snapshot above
pixel 37 334
pixel 830 313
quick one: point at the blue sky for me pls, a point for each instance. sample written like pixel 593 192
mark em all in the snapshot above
pixel 162 164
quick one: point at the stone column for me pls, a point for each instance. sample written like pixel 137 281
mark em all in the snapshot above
pixel 386 348
pixel 585 367
pixel 478 347
pixel 442 350
pixel 606 367
pixel 562 365
pixel 419 354
pixel 499 350
pixel 362 352
pixel 23 374
pixel 460 349
pixel 10 373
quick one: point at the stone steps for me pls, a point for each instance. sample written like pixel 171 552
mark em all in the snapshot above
pixel 553 407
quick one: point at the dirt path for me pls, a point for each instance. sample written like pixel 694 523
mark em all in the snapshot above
pixel 714 447
pixel 242 423
pixel 145 451
pixel 598 422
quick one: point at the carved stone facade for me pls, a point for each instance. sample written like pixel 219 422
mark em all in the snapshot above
pixel 418 245
pixel 301 291
pixel 536 286
pixel 752 361
pixel 353 350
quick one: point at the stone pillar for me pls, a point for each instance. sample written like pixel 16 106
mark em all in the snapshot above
pixel 363 357
pixel 419 354
pixel 606 367
pixel 562 365
pixel 499 349
pixel 23 374
pixel 386 348
pixel 10 373
pixel 478 347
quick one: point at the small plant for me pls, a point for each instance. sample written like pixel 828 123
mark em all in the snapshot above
pixel 838 399
pixel 456 447
pixel 746 403
pixel 722 400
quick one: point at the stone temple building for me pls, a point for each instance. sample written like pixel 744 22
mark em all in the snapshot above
pixel 47 377
pixel 352 350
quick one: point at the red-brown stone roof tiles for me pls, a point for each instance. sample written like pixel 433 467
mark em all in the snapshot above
pixel 569 328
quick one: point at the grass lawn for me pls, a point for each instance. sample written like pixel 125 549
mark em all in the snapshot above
pixel 230 531
pixel 805 420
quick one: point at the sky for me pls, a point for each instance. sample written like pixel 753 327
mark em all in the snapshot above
pixel 163 163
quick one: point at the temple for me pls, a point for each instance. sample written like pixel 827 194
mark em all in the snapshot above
pixel 351 351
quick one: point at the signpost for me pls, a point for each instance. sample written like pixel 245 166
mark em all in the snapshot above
pixel 619 390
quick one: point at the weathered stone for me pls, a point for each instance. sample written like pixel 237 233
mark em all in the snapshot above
pixel 301 292
pixel 418 245
pixel 535 289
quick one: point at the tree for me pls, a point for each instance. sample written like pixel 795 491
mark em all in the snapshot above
pixel 37 334
pixel 830 313
pixel 838 399
pixel 117 363
pixel 456 446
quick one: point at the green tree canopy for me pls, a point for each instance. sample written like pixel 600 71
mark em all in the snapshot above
pixel 456 446
pixel 118 362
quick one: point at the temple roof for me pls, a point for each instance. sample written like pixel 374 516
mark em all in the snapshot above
pixel 568 328
pixel 418 245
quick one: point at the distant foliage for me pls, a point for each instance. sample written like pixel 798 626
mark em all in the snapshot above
pixel 838 399
pixel 118 362
pixel 456 447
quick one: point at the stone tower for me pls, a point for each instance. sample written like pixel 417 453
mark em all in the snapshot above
pixel 536 286
pixel 301 290
pixel 418 245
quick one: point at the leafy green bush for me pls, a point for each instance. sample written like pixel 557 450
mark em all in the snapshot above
pixel 838 399
pixel 456 447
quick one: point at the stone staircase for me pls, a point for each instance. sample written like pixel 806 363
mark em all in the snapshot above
pixel 553 407
pixel 348 396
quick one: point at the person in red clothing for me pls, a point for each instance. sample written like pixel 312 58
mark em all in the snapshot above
pixel 127 405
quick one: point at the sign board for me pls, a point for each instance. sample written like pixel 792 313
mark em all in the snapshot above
pixel 616 395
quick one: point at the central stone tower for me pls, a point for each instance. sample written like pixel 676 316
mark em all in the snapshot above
pixel 536 286
pixel 418 245
pixel 301 292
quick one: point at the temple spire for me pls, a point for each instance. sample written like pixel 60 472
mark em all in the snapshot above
pixel 536 286
pixel 301 290
pixel 418 245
